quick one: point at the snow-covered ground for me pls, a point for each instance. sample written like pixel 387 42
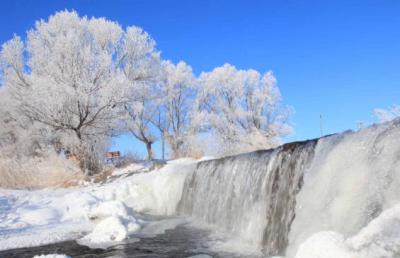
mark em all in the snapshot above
pixel 143 166
pixel 95 214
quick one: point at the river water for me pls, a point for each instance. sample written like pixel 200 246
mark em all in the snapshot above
pixel 179 242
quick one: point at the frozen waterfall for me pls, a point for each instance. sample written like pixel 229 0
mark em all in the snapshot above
pixel 277 199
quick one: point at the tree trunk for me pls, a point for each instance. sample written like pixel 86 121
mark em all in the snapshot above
pixel 82 155
pixel 82 165
pixel 149 151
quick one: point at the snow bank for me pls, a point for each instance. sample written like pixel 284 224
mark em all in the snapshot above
pixel 52 256
pixel 115 224
pixel 108 230
pixel 99 215
pixel 20 235
pixel 133 168
pixel 159 192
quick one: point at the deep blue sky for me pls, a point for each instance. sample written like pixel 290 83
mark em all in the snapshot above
pixel 340 59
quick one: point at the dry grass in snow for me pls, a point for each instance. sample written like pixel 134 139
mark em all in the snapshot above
pixel 37 172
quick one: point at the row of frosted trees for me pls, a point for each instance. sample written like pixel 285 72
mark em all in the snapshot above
pixel 74 82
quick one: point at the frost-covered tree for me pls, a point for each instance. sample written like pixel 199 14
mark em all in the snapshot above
pixel 241 109
pixel 21 136
pixel 76 81
pixel 140 63
pixel 70 74
pixel 137 120
pixel 175 104
pixel 384 115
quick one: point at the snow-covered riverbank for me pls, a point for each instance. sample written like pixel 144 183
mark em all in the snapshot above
pixel 94 214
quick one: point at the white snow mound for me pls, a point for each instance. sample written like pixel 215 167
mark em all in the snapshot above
pixel 379 239
pixel 111 229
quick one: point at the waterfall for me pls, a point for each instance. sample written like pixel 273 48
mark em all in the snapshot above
pixel 250 195
pixel 353 178
pixel 276 199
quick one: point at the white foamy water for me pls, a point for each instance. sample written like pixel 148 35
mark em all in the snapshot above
pixel 353 178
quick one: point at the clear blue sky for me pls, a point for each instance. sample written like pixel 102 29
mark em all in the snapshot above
pixel 340 59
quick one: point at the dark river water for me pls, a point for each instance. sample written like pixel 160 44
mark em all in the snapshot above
pixel 181 242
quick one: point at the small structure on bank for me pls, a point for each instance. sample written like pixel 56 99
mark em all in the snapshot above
pixel 113 156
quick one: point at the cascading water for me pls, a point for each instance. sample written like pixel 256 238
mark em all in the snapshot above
pixel 352 179
pixel 251 195
pixel 276 199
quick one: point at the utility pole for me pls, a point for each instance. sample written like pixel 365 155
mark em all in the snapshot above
pixel 320 125
pixel 162 146
pixel 360 125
